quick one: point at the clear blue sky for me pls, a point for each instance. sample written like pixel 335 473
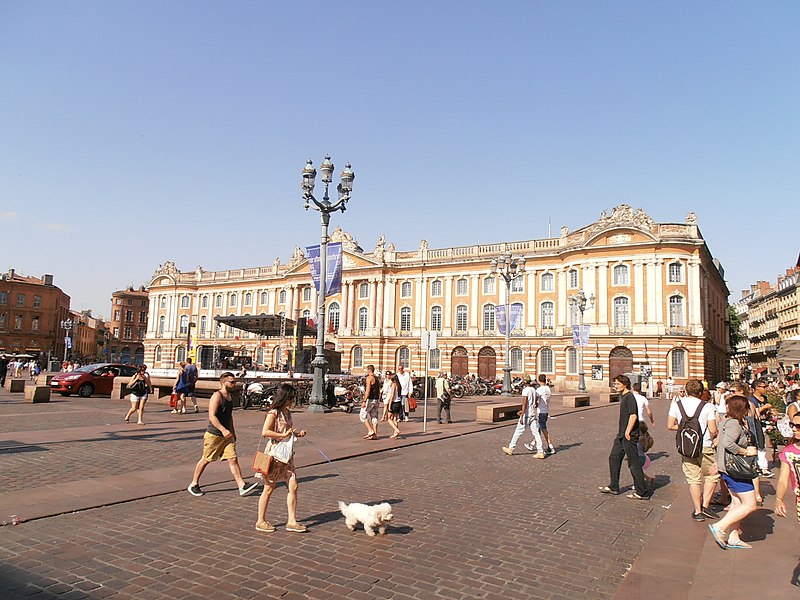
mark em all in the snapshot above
pixel 135 132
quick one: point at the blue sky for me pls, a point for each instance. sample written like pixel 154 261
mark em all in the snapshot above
pixel 135 132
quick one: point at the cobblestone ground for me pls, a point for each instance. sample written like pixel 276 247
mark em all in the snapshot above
pixel 470 522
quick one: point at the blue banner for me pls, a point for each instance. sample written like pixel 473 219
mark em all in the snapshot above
pixel 580 338
pixel 333 267
pixel 500 316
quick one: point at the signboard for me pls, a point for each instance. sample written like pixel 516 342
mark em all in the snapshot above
pixel 597 372
pixel 333 267
pixel 68 342
pixel 645 370
pixel 428 340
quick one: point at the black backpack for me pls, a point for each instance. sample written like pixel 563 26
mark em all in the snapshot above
pixel 689 439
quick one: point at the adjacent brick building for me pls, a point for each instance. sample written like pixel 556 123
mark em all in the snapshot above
pixel 128 325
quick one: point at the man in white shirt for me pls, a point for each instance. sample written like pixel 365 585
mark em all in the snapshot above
pixel 406 389
pixel 698 470
pixel 543 393
pixel 527 418
pixel 643 403
pixel 720 394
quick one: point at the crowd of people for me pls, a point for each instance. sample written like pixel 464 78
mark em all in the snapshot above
pixel 17 368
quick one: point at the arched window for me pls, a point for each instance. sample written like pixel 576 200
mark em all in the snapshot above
pixel 675 272
pixel 157 357
pixel 162 321
pixel 333 316
pixel 163 302
pixel 572 361
pixel 548 316
pixel 204 301
pixel 436 287
pixel 678 362
pixel 516 357
pixel 488 285
pixel 282 297
pixel 622 317
pixel 518 283
pixel 259 356
pixel 462 287
pixel 218 301
pixel 404 357
pixel 435 359
pixel 180 353
pixel 203 324
pixel 405 289
pixel 676 311
pixel 546 360
pixel 574 315
pixel 248 299
pixel 621 275
pixel 306 294
pixel 405 319
pixel 363 313
pixel 358 357
pixel 234 299
pixel 184 324
pixel 572 278
pixel 489 317
pixel 264 297
pixel 436 318
pixel 548 282
pixel 461 317
pixel 184 301
pixel 363 291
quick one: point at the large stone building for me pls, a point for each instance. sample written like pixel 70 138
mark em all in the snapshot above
pixel 31 312
pixel 660 305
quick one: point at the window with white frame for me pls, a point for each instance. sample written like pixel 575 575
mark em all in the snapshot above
pixel 436 287
pixel 489 285
pixel 405 319
pixel 282 297
pixel 405 289
pixel 162 321
pixel 435 359
pixel 363 291
pixel 307 294
pixel 572 279
pixel 678 362
pixel 37 301
pixel 333 316
pixel 515 357
pixel 218 301
pixel 436 318
pixel 180 354
pixel 157 355
pixel 546 362
pixel 204 302
pixel 184 301
pixel 203 325
pixel 18 322
pixel 358 356
pixel 461 317
pixel 518 283
pixel 404 357
pixel 489 317
pixel 574 315
pixel 248 299
pixel 572 361
pixel 462 287
pixel 264 297
pixel 548 315
pixel 363 313
pixel 127 333
pixel 20 299
pixel 184 324
pixel 234 299
pixel 621 275
pixel 676 311
pixel 675 272
pixel 622 316
pixel 163 303
pixel 548 282
pixel 3 298
pixel 2 320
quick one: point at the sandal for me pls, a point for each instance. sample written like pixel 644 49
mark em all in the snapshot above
pixel 266 526
pixel 719 537
pixel 297 528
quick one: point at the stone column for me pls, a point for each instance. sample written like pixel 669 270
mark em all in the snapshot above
pixel 589 287
pixel 652 299
pixel 448 306
pixel 474 308
pixel 561 304
pixel 373 305
pixel 379 318
pixel 694 316
pixel 602 294
pixel 638 292
pixel 659 292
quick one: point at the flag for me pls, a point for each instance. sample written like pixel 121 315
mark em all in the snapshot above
pixel 580 337
pixel 500 316
pixel 333 267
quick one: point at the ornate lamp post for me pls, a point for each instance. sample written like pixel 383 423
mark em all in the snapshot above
pixel 509 268
pixel 67 325
pixel 325 207
pixel 582 304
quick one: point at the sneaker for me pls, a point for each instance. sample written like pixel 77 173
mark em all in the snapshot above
pixel 247 489
pixel 530 447
pixel 709 512
pixel 195 490
pixel 508 450
pixel 635 496
pixel 197 410
pixel 183 411
pixel 551 450
pixel 766 473
pixel 174 411
pixel 699 517
pixel 539 455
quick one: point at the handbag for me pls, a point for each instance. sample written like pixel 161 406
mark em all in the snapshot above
pixel 412 404
pixel 173 400
pixel 282 451
pixel 262 462
pixel 740 467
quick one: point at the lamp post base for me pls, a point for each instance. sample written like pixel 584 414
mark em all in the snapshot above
pixel 316 401
pixel 582 383
pixel 506 391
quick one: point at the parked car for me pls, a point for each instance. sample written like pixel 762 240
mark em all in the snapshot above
pixel 90 379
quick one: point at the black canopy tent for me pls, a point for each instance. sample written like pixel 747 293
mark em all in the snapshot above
pixel 268 325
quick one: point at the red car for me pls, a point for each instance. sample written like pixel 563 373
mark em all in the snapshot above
pixel 90 379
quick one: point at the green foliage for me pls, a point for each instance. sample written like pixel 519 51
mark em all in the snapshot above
pixel 734 327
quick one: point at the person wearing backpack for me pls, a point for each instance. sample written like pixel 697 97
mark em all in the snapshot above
pixel 695 422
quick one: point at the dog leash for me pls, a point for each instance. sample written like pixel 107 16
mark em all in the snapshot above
pixel 352 487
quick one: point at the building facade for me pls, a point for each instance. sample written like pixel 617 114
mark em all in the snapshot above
pixel 661 305
pixel 128 325
pixel 31 312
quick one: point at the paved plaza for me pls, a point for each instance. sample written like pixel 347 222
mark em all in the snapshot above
pixel 104 513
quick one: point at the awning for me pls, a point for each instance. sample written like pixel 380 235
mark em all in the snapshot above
pixel 789 350
pixel 759 371
pixel 266 325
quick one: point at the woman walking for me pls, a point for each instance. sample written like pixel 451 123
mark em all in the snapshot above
pixel 139 386
pixel 277 428
pixel 735 439
pixel 392 405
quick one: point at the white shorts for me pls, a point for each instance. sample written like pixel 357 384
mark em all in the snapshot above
pixel 135 398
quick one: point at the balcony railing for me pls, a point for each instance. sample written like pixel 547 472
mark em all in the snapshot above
pixel 626 330
pixel 675 330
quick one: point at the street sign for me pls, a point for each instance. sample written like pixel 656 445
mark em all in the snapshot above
pixel 428 340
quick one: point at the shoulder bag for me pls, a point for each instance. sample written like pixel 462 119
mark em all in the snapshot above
pixel 738 466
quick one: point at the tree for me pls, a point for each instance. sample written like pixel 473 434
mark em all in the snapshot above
pixel 734 328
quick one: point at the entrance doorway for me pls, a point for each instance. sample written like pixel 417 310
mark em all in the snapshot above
pixel 487 363
pixel 459 362
pixel 620 361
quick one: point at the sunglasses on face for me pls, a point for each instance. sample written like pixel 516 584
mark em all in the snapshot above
pixel 795 425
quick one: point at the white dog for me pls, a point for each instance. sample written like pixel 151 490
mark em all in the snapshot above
pixel 370 516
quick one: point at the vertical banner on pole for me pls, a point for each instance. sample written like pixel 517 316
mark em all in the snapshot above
pixel 333 270
pixel 580 335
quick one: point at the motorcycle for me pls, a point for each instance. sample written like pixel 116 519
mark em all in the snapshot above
pixel 257 394
pixel 339 397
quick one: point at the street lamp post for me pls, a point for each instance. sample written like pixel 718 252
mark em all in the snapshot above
pixel 509 268
pixel 325 207
pixel 67 325
pixel 582 304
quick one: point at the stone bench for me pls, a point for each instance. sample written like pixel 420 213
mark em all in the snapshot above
pixel 37 393
pixel 577 401
pixel 15 386
pixel 608 398
pixel 492 413
pixel 162 387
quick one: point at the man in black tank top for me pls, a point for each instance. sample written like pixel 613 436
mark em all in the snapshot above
pixel 219 440
pixel 371 404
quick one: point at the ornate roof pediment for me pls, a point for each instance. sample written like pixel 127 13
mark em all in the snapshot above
pixel 638 224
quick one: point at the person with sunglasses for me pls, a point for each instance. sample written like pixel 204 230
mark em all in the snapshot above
pixel 790 469
pixel 758 414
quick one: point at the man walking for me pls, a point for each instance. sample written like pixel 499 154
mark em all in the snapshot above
pixel 697 471
pixel 371 404
pixel 443 397
pixel 543 393
pixel 528 417
pixel 406 389
pixel 3 370
pixel 760 411
pixel 219 440
pixel 190 375
pixel 642 403
pixel 625 443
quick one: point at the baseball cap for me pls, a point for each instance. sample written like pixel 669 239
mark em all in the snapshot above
pixel 722 385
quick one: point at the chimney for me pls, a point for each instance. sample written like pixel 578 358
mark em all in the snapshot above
pixel 47 279
pixel 11 273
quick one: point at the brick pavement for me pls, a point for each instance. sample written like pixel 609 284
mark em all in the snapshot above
pixel 470 521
